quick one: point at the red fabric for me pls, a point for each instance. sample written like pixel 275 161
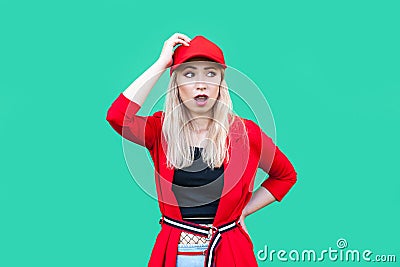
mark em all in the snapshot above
pixel 247 153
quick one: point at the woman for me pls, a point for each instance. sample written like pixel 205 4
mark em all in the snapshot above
pixel 205 157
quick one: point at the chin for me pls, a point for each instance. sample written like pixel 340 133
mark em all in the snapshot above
pixel 201 110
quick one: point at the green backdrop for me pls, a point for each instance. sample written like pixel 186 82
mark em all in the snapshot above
pixel 329 70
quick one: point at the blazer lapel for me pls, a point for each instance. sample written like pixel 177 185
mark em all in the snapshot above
pixel 168 198
pixel 233 171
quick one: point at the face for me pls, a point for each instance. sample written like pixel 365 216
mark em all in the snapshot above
pixel 198 85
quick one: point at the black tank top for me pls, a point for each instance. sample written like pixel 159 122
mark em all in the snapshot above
pixel 194 200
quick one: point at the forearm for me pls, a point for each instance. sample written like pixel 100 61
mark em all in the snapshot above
pixel 260 198
pixel 141 87
pixel 122 114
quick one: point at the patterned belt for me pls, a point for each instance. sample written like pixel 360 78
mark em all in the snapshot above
pixel 211 232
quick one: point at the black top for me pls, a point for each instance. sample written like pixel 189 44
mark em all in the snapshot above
pixel 195 199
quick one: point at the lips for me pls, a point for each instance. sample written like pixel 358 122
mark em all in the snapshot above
pixel 201 100
pixel 201 97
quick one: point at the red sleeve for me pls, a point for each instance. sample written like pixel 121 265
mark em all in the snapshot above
pixel 141 130
pixel 282 175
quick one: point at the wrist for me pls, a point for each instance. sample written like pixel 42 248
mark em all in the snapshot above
pixel 160 64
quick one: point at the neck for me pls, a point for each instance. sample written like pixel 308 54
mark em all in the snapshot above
pixel 201 125
pixel 201 122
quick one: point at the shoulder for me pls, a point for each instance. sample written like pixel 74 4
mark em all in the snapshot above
pixel 158 114
pixel 252 130
pixel 251 126
pixel 157 118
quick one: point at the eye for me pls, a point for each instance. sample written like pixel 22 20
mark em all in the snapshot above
pixel 212 74
pixel 189 74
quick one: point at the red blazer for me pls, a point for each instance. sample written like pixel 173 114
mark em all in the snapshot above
pixel 247 153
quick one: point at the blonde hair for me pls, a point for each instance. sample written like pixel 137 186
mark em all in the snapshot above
pixel 177 126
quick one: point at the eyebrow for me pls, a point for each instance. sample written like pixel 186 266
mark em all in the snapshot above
pixel 193 67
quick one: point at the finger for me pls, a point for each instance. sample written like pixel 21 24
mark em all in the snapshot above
pixel 187 39
pixel 185 43
pixel 180 41
pixel 184 37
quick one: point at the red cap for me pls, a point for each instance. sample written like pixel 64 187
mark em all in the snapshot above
pixel 199 46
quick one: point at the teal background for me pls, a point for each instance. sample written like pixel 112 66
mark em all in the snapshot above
pixel 330 73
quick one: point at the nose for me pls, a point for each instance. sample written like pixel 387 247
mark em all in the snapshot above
pixel 201 85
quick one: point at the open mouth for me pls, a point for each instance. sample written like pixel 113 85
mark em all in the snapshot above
pixel 201 100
